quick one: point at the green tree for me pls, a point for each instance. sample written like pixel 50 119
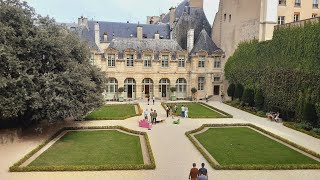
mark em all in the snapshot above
pixel 248 97
pixel 45 69
pixel 258 99
pixel 231 90
pixel 194 91
pixel 238 91
pixel 310 114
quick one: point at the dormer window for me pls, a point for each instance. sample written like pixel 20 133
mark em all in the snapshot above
pixel 202 60
pixel 181 61
pixel 130 60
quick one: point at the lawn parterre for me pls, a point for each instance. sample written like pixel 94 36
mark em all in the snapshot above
pixel 101 148
pixel 113 112
pixel 198 110
pixel 244 148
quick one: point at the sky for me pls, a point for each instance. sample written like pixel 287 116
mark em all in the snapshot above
pixel 134 11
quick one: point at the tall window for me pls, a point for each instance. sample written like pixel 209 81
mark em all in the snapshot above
pixel 130 60
pixel 112 85
pixel 296 16
pixel 111 60
pixel 201 82
pixel 181 85
pixel 315 4
pixel 165 61
pixel 202 60
pixel 217 62
pixel 147 61
pixel 314 15
pixel 181 61
pixel 282 2
pixel 229 17
pixel 297 3
pixel 281 20
pixel 225 17
pixel 92 59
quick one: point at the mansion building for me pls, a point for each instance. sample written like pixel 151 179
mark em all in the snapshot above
pixel 176 50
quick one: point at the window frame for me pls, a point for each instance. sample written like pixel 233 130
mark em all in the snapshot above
pixel 165 61
pixel 201 83
pixel 181 61
pixel 111 61
pixel 130 62
pixel 201 62
pixel 281 21
pixel 217 62
pixel 147 61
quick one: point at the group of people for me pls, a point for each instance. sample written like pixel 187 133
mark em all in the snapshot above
pixel 184 111
pixel 198 174
pixel 170 110
pixel 153 99
pixel 153 116
pixel 272 116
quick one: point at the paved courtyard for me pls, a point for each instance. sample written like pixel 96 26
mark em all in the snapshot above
pixel 174 153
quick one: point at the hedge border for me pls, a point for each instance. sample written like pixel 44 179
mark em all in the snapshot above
pixel 292 126
pixel 118 118
pixel 253 167
pixel 243 109
pixel 225 115
pixel 16 167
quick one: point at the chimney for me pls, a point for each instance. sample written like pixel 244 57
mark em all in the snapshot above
pixel 139 32
pixel 82 21
pixel 172 16
pixel 190 40
pixel 196 3
pixel 157 35
pixel 162 16
pixel 105 36
pixel 97 33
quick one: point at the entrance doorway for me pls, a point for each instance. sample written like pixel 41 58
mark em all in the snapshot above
pixel 130 88
pixel 216 90
pixel 147 87
pixel 164 85
pixel 129 95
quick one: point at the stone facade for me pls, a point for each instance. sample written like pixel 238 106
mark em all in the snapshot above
pixel 149 59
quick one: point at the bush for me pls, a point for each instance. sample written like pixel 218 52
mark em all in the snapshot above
pixel 231 90
pixel 258 99
pixel 261 114
pixel 248 97
pixel 238 91
pixel 235 103
pixel 316 130
pixel 305 126
pixel 310 114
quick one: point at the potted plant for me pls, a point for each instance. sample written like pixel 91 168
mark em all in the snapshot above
pixel 173 92
pixel 120 90
pixel 193 91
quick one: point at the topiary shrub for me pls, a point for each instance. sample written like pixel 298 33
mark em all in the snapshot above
pixel 238 92
pixel 231 90
pixel 258 99
pixel 310 114
pixel 248 97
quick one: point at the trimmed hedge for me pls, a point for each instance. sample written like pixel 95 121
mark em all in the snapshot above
pixel 16 167
pixel 225 115
pixel 293 126
pixel 285 68
pixel 119 118
pixel 252 167
pixel 246 110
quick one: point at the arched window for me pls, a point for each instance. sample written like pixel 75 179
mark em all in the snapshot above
pixel 147 87
pixel 130 87
pixel 181 85
pixel 164 85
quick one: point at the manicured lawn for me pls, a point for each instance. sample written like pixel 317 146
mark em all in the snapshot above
pixel 196 110
pixel 112 112
pixel 102 147
pixel 244 146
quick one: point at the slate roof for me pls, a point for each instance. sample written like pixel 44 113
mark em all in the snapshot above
pixel 194 18
pixel 125 30
pixel 179 11
pixel 204 42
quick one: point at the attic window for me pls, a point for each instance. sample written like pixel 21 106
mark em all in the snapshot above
pixel 229 17
pixel 225 17
pixel 145 36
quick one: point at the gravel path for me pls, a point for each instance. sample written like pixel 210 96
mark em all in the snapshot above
pixel 174 153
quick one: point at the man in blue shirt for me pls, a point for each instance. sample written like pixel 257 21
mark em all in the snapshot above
pixel 203 173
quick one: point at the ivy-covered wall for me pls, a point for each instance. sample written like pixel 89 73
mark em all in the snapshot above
pixel 286 68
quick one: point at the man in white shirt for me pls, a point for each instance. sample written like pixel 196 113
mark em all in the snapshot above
pixel 182 111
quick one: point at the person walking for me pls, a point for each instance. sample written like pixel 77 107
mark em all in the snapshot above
pixel 151 116
pixel 148 99
pixel 153 99
pixel 155 116
pixel 182 111
pixel 167 110
pixel 146 113
pixel 186 110
pixel 203 173
pixel 193 175
pixel 175 108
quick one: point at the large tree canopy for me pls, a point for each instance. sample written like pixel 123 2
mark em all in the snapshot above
pixel 45 72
